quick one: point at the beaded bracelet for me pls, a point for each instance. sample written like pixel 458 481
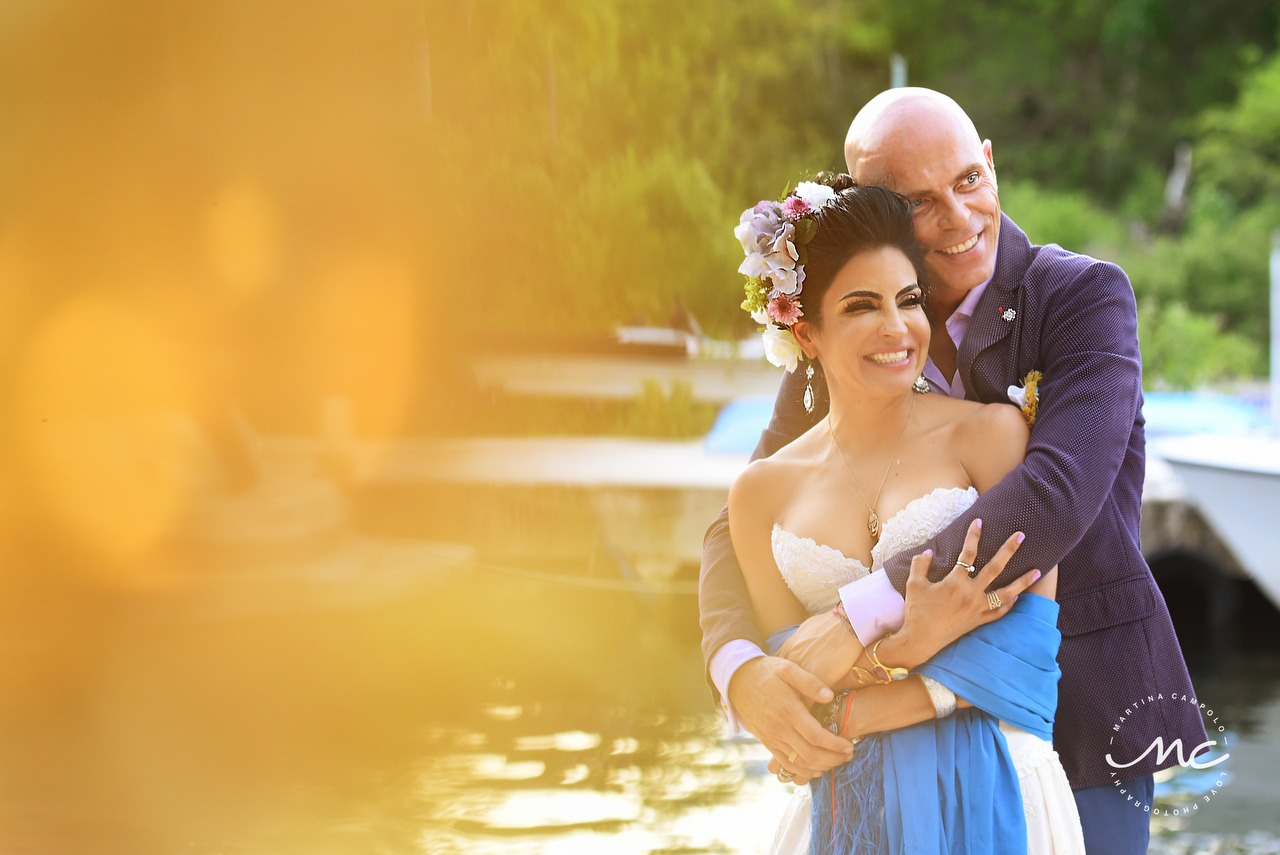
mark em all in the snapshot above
pixel 839 612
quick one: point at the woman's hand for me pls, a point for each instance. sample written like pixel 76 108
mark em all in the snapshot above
pixel 937 613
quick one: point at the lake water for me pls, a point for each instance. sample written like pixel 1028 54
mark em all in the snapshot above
pixel 483 714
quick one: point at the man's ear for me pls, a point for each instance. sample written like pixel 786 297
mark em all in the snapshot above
pixel 991 161
pixel 804 333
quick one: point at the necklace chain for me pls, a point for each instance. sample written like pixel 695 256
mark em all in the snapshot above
pixel 873 521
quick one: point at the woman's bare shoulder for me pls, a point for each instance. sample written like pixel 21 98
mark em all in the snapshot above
pixel 991 442
pixel 994 422
pixel 765 484
pixel 945 411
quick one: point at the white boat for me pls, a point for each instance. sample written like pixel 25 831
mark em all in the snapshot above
pixel 1235 483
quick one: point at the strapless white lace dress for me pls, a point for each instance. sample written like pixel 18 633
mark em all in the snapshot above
pixel 814 573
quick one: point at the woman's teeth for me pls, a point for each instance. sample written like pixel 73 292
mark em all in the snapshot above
pixel 962 247
pixel 888 358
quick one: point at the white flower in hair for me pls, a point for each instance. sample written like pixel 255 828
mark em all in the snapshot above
pixel 814 194
pixel 780 347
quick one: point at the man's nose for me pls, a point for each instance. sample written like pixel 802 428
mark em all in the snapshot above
pixel 953 213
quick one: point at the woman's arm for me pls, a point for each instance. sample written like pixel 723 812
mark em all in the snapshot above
pixel 990 443
pixel 751 521
pixel 892 706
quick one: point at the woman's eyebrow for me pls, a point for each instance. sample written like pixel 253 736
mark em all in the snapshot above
pixel 875 295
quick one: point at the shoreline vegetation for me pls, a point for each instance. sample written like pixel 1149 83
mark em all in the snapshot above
pixel 615 161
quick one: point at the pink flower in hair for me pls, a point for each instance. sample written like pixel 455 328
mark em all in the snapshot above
pixel 784 310
pixel 795 208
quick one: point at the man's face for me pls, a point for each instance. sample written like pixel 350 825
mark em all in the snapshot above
pixel 950 179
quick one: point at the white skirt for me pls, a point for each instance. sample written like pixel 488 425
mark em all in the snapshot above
pixel 1053 823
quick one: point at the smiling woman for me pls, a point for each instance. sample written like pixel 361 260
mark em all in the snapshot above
pixel 848 282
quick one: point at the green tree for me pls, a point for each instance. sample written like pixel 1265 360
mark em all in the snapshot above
pixel 1083 94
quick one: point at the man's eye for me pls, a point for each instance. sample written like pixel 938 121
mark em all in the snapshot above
pixel 971 178
pixel 916 203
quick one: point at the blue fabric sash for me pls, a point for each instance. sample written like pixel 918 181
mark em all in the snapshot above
pixel 949 785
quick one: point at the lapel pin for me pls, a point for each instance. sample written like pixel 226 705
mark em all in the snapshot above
pixel 1008 314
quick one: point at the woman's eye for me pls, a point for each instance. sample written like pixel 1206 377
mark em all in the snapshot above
pixel 862 306
pixel 913 300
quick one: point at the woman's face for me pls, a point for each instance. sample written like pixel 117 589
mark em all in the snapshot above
pixel 873 336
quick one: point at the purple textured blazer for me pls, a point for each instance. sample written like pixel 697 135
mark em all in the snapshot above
pixel 1078 497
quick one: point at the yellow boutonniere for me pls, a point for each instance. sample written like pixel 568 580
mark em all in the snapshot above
pixel 1027 396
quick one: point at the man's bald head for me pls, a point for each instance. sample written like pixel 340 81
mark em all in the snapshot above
pixel 896 115
pixel 921 144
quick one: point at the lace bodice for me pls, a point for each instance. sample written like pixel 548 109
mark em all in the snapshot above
pixel 814 572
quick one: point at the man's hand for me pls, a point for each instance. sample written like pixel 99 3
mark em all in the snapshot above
pixel 939 613
pixel 771 697
pixel 798 777
pixel 823 646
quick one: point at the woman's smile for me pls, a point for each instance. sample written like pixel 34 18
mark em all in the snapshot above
pixel 892 358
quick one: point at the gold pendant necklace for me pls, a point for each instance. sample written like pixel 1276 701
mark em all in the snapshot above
pixel 873 521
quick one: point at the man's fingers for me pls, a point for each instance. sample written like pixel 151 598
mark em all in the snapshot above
pixel 988 574
pixel 801 773
pixel 816 747
pixel 807 685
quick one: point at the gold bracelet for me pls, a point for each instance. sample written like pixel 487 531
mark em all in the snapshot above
pixel 864 676
pixel 889 673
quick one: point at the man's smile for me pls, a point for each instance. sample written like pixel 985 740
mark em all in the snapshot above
pixel 962 247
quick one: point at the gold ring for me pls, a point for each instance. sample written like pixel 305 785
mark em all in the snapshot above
pixel 785 775
pixel 993 600
pixel 791 758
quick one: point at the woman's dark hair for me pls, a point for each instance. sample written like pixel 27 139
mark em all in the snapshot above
pixel 859 219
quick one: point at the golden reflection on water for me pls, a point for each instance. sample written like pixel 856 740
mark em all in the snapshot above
pixel 466 715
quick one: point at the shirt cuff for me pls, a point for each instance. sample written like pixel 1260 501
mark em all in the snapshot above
pixel 874 606
pixel 725 662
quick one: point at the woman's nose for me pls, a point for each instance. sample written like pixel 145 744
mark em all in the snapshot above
pixel 891 322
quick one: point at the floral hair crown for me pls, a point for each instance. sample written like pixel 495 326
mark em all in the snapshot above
pixel 774 236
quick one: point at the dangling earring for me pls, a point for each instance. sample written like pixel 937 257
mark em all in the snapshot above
pixel 808 390
pixel 921 385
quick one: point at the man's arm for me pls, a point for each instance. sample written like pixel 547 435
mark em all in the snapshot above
pixel 1088 402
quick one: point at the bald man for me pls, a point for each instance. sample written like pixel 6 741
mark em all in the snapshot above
pixel 999 308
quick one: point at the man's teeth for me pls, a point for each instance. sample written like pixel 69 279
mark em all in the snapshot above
pixel 886 358
pixel 961 247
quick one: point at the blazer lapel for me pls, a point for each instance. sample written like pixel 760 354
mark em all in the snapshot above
pixel 988 326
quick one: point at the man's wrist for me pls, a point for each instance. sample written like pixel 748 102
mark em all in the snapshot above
pixel 725 665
